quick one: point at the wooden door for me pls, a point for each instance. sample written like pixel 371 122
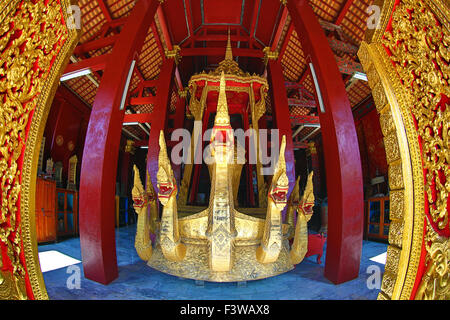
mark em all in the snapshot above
pixel 378 218
pixel 45 210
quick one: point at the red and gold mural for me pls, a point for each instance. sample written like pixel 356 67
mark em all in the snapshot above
pixel 34 46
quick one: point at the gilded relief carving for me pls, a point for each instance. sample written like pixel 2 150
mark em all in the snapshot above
pixel 34 46
pixel 410 82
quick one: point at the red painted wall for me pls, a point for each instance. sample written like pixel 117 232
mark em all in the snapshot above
pixel 65 130
pixel 371 144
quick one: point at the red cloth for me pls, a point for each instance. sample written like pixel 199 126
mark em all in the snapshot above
pixel 315 246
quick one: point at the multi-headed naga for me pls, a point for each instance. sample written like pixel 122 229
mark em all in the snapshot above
pixel 220 243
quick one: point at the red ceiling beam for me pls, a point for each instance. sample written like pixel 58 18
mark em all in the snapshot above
pixel 221 37
pixel 150 83
pixel 95 44
pixel 137 117
pixel 189 19
pixel 344 10
pixel 242 52
pixel 253 23
pixel 280 28
pixel 94 63
pixel 164 29
pixel 142 100
pixel 207 28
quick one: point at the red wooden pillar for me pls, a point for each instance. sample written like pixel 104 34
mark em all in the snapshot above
pixel 100 156
pixel 281 121
pixel 342 158
pixel 160 116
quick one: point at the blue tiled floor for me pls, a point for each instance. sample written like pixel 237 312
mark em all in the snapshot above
pixel 138 281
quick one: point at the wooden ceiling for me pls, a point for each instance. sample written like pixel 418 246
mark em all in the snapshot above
pixel 253 24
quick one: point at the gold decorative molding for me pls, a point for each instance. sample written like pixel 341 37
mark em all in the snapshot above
pixel 183 93
pixel 32 67
pixel 269 55
pixel 174 53
pixel 408 87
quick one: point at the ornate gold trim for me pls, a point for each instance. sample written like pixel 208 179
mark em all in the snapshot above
pixel 31 158
pixel 31 153
pixel 174 53
pixel 269 55
pixel 406 179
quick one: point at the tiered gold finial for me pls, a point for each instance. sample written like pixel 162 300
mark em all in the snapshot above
pixel 229 51
pixel 228 65
pixel 222 116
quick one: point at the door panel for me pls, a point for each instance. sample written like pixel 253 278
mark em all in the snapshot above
pixel 45 210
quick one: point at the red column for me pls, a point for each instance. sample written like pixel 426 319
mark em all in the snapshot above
pixel 281 120
pixel 160 116
pixel 100 156
pixel 342 159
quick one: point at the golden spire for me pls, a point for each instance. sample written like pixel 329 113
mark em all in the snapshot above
pixel 222 116
pixel 229 51
pixel 228 65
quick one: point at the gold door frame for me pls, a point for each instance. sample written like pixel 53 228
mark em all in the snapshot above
pixel 395 102
pixel 59 34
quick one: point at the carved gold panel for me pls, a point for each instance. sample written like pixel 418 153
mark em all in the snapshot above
pixel 35 45
pixel 408 71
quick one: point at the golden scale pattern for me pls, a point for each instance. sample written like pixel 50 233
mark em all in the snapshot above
pixel 28 50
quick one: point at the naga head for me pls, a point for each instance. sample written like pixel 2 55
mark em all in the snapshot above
pixel 138 192
pixel 165 177
pixel 306 205
pixel 280 182
pixel 141 197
